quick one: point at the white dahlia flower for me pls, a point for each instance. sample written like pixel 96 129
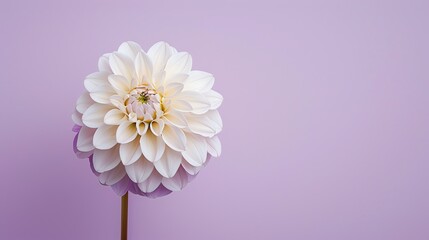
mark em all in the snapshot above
pixel 146 121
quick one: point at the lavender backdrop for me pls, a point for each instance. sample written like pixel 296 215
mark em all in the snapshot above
pixel 326 119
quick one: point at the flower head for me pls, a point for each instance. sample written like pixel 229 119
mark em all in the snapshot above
pixel 147 122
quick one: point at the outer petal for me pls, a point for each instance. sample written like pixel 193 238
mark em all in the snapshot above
pixel 213 146
pixel 94 116
pixel 181 105
pixel 159 53
pixel 199 102
pixel 113 176
pixel 77 118
pixel 175 78
pixel 192 170
pixel 196 150
pixel 158 192
pixel 93 82
pixel 130 152
pixel 76 128
pixel 103 63
pixel 84 139
pixel 114 117
pixel 152 146
pixel 121 64
pixel 174 138
pixel 214 98
pixel 151 183
pixel 126 132
pixel 78 153
pixel 179 63
pixel 123 186
pixel 206 125
pixel 217 120
pixel 140 170
pixel 199 81
pixel 175 118
pixel 176 183
pixel 143 66
pixel 105 160
pixel 158 79
pixel 103 94
pixel 169 163
pixel 118 102
pixel 83 102
pixel 105 137
pixel 172 89
pixel 130 49
pixel 121 84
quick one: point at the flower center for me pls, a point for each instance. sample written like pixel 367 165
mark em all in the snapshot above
pixel 143 104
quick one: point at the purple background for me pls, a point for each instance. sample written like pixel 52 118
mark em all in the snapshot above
pixel 325 119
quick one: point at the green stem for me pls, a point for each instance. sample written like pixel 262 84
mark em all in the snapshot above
pixel 124 216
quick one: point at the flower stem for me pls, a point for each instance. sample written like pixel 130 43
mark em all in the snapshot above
pixel 124 216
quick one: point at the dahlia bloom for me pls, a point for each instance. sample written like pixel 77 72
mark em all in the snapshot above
pixel 147 122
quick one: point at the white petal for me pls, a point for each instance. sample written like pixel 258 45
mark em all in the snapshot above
pixel 201 125
pixel 156 126
pixel 126 132
pixel 83 155
pixel 196 150
pixel 140 170
pixel 172 89
pixel 143 66
pixel 130 49
pixel 95 80
pixel 105 160
pixel 103 63
pixel 122 65
pixel 181 105
pixel 94 116
pixel 142 127
pixel 199 102
pixel 152 146
pixel 83 102
pixel 192 170
pixel 121 84
pixel 169 163
pixel 118 102
pixel 114 117
pixel 214 147
pixel 217 120
pixel 158 79
pixel 105 137
pixel 176 78
pixel 179 63
pixel 159 53
pixel 84 139
pixel 173 50
pixel 174 138
pixel 103 94
pixel 77 118
pixel 199 81
pixel 206 125
pixel 130 152
pixel 214 98
pixel 113 176
pixel 151 183
pixel 176 183
pixel 175 118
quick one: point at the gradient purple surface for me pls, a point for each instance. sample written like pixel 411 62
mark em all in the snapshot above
pixel 325 119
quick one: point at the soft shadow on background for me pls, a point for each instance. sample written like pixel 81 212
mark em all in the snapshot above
pixel 325 119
